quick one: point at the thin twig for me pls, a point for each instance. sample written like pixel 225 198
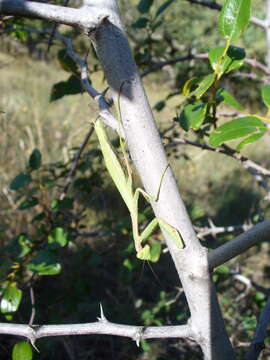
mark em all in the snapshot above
pixel 214 230
pixel 55 26
pixel 33 306
pixel 202 56
pixel 103 105
pixel 73 169
pixel 255 169
pixel 102 326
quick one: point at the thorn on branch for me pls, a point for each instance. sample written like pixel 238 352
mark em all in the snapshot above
pixel 138 336
pixel 102 317
pixel 32 337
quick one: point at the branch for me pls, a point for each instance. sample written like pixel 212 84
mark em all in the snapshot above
pixel 225 150
pixel 213 5
pixel 240 244
pixel 103 106
pixel 73 169
pixel 202 56
pixel 214 230
pixel 53 13
pixel 261 333
pixel 161 64
pixel 102 326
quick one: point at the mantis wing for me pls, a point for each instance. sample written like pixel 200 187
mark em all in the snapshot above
pixel 113 165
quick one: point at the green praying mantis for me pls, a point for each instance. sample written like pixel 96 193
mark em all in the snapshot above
pixel 123 181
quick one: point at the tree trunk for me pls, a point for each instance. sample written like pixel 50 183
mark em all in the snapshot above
pixel 149 158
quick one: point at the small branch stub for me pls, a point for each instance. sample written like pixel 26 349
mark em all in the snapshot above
pixel 93 26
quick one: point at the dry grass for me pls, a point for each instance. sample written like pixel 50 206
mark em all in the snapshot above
pixel 30 121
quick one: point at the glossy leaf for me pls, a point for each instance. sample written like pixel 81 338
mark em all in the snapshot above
pixel 234 18
pixel 237 128
pixel 11 299
pixel 44 264
pixel 141 23
pixel 58 236
pixel 71 86
pixel 225 97
pixel 35 159
pixel 203 86
pixel 233 59
pixel 20 181
pixel 249 140
pixel 28 203
pixel 192 115
pixel 265 91
pixel 22 351
pixel 163 7
pixel 66 61
pixel 144 6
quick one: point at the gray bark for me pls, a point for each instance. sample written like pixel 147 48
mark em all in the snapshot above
pixel 150 161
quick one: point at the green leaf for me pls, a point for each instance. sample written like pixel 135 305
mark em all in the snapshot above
pixel 11 299
pixel 163 7
pixel 234 18
pixel 265 91
pixel 59 236
pixel 159 105
pixel 233 59
pixel 155 251
pixel 225 97
pixel 249 140
pixel 28 203
pixel 189 85
pixel 223 269
pixel 144 6
pixel 66 61
pixel 204 85
pixel 20 181
pixel 22 351
pixel 19 33
pixel 237 128
pixel 71 86
pixel 44 264
pixel 35 159
pixel 25 245
pixel 141 23
pixel 65 204
pixel 39 217
pixel 192 115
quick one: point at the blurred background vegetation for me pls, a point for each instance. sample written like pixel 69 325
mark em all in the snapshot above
pixel 96 255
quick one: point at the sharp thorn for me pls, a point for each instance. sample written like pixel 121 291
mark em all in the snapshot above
pixel 32 341
pixel 102 316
